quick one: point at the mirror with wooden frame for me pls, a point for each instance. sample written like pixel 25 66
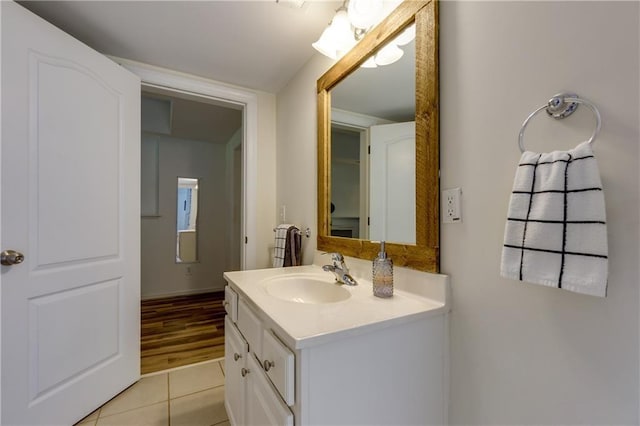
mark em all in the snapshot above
pixel 424 254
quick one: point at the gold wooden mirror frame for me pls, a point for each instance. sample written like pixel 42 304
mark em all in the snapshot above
pixel 425 254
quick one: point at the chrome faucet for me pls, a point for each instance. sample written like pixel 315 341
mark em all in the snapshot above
pixel 339 269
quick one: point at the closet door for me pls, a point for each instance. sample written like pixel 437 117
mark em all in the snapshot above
pixel 70 202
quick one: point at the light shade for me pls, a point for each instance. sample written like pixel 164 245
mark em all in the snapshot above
pixel 365 13
pixel 406 36
pixel 326 43
pixel 340 36
pixel 337 38
pixel 388 54
pixel 370 63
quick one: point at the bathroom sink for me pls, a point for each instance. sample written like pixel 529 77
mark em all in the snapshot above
pixel 306 288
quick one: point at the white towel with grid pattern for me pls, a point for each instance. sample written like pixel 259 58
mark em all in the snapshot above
pixel 556 232
pixel 280 245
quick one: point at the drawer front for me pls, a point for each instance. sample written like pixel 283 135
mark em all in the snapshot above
pixel 279 364
pixel 237 348
pixel 250 327
pixel 231 303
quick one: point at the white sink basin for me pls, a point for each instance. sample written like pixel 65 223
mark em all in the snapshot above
pixel 306 288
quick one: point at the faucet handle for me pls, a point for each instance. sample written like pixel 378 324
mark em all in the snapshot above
pixel 338 262
pixel 336 257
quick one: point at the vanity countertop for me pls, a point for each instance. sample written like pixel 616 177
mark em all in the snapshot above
pixel 305 324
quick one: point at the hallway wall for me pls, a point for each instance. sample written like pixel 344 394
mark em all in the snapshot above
pixel 161 275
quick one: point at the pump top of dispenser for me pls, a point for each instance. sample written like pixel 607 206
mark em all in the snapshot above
pixel 382 254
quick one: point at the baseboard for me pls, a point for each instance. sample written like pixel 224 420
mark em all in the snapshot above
pixel 181 293
pixel 182 367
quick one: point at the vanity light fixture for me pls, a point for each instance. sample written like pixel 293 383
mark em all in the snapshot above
pixel 338 38
pixel 351 22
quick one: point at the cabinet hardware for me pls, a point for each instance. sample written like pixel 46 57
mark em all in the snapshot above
pixel 268 364
pixel 236 356
pixel 244 372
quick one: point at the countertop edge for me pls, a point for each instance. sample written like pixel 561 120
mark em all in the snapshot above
pixel 438 308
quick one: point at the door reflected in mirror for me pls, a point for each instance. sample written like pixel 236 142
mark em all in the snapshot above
pixel 187 220
pixel 373 162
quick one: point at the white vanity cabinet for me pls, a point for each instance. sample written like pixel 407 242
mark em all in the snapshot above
pixel 384 373
pixel 250 396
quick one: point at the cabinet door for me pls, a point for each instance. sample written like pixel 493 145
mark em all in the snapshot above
pixel 279 365
pixel 264 406
pixel 236 351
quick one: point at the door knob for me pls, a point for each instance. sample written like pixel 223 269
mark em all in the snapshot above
pixel 11 257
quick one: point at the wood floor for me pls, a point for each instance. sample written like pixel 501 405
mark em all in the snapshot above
pixel 181 330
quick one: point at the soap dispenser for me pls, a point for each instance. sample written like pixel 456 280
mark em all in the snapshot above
pixel 382 274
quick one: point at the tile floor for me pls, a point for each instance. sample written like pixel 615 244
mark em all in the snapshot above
pixel 191 395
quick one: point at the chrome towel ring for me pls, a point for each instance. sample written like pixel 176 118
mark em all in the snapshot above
pixel 560 106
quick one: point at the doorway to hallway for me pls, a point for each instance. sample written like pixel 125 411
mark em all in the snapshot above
pixel 191 231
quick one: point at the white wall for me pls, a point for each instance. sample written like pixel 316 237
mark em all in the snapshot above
pixel 296 163
pixel 266 184
pixel 161 275
pixel 520 353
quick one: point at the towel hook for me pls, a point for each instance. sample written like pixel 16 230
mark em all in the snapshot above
pixel 560 106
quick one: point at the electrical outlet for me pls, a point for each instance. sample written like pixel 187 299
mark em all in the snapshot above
pixel 451 209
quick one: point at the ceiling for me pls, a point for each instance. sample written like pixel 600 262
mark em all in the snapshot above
pixel 254 44
pixel 186 117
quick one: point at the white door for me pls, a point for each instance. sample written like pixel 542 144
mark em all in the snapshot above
pixel 392 194
pixel 70 202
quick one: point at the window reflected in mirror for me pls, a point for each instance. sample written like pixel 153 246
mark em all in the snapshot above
pixel 187 220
